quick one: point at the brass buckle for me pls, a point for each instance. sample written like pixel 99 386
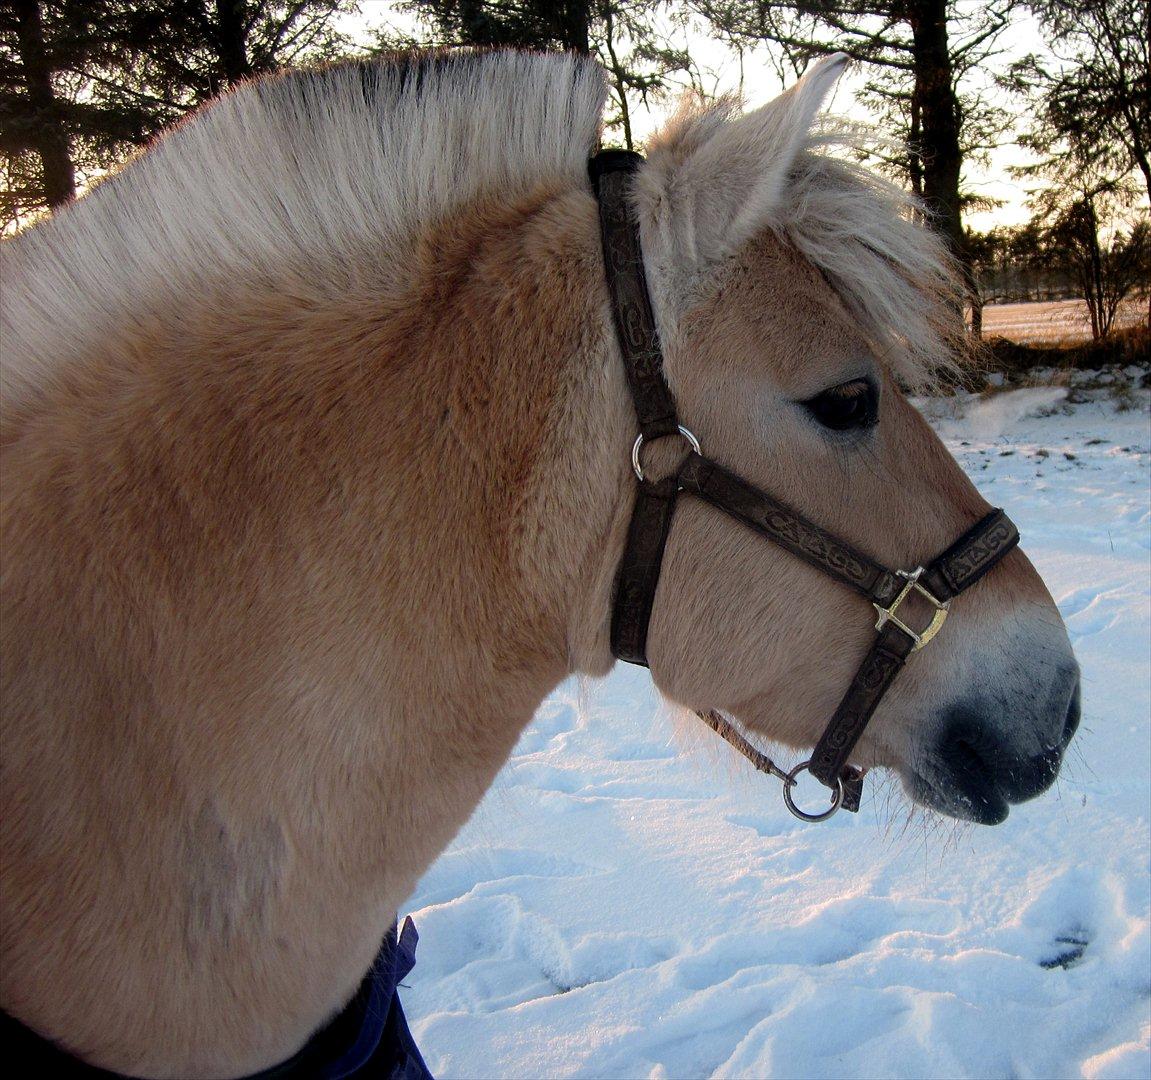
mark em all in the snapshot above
pixel 887 615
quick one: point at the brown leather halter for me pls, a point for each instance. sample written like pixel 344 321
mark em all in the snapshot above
pixel 958 568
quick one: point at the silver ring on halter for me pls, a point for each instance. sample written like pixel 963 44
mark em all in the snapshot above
pixel 639 443
pixel 803 815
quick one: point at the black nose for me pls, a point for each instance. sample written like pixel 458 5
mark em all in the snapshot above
pixel 987 772
pixel 969 759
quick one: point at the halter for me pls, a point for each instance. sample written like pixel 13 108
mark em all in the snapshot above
pixel 957 569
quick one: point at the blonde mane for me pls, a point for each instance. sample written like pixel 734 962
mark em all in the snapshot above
pixel 300 174
pixel 315 173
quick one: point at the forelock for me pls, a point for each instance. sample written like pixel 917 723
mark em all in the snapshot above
pixel 869 238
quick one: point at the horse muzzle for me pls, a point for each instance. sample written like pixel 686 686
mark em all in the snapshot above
pixel 979 766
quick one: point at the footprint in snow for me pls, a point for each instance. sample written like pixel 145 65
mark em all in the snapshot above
pixel 640 751
pixel 459 872
pixel 599 957
pixel 1096 616
pixel 553 720
pixel 1067 914
pixel 543 777
pixel 1067 950
pixel 1077 600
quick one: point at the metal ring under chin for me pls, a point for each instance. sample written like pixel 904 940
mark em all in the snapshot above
pixel 803 815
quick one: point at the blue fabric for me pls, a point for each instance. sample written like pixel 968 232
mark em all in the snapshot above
pixel 384 1024
pixel 369 1039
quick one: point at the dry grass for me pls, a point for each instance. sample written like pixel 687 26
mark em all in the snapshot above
pixel 1057 323
pixel 1127 346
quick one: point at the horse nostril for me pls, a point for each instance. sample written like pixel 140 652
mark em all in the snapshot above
pixel 968 753
pixel 1072 722
pixel 968 760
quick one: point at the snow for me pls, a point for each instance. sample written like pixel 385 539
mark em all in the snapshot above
pixel 632 900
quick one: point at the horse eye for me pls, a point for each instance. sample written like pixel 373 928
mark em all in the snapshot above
pixel 846 407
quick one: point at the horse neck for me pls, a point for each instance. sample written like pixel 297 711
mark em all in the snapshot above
pixel 340 542
pixel 522 421
pixel 493 432
pixel 523 424
pixel 486 424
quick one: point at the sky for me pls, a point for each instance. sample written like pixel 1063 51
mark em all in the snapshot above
pixel 760 83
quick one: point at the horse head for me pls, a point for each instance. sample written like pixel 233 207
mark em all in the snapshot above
pixel 797 302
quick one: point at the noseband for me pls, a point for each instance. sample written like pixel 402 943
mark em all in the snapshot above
pixel 958 568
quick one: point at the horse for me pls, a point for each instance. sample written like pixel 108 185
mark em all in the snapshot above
pixel 315 482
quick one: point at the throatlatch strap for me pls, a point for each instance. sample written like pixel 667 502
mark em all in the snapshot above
pixel 639 568
pixel 611 175
pixel 783 526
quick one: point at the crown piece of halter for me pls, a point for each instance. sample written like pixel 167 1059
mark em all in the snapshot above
pixel 957 569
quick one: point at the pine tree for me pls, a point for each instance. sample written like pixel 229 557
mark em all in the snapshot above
pixel 917 53
pixel 621 34
pixel 85 82
pixel 1093 87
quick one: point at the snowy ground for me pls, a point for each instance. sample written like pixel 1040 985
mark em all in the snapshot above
pixel 630 901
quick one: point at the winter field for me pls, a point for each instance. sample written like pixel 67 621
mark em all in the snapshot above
pixel 632 899
pixel 1051 322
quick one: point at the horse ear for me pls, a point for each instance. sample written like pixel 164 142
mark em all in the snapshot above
pixel 726 189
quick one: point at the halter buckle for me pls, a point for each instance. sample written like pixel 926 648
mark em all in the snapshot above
pixel 887 614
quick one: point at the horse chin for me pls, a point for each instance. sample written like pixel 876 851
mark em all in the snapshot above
pixel 969 795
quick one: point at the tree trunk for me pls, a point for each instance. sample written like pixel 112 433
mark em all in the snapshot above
pixel 51 136
pixel 935 105
pixel 976 301
pixel 1100 318
pixel 571 19
pixel 231 41
pixel 617 75
pixel 1091 266
pixel 914 161
pixel 934 100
